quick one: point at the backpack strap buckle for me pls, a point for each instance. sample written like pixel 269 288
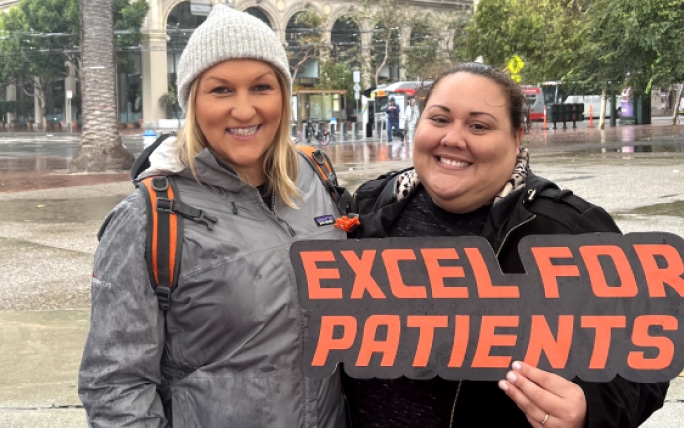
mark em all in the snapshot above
pixel 165 205
pixel 163 297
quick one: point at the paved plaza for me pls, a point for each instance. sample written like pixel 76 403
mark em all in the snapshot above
pixel 48 238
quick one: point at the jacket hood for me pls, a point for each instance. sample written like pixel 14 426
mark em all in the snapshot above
pixel 165 160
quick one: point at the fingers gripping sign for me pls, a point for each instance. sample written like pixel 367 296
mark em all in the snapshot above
pixel 547 399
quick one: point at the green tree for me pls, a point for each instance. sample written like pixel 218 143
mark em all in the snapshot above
pixel 423 50
pixel 337 75
pixel 39 43
pixel 387 18
pixel 40 37
pixel 429 53
pixel 304 41
pixel 128 17
pixel 539 31
pixel 633 43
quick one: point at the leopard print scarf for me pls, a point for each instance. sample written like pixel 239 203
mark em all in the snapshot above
pixel 408 181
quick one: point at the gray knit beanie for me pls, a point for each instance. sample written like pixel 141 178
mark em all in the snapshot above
pixel 228 34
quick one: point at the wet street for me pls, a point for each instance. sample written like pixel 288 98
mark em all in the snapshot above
pixel 48 238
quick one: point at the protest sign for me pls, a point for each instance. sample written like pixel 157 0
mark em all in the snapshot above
pixel 591 305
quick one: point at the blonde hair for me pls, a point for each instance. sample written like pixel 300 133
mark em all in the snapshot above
pixel 281 165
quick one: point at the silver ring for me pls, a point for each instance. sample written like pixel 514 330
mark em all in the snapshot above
pixel 546 418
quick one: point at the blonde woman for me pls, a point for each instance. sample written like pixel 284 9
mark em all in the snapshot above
pixel 227 352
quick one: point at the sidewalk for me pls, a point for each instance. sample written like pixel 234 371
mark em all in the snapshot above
pixel 48 238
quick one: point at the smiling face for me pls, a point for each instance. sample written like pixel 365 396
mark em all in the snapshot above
pixel 238 108
pixel 465 144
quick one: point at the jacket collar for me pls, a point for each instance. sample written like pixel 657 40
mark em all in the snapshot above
pixel 165 160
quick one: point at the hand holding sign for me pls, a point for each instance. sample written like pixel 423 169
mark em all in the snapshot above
pixel 543 396
pixel 592 306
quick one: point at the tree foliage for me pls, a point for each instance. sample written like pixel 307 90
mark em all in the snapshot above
pixel 636 42
pixel 541 32
pixel 39 38
pixel 587 42
pixel 387 18
pixel 128 17
pixel 305 40
pixel 436 43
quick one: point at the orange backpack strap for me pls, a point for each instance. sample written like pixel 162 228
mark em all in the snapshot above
pixel 165 214
pixel 321 164
pixel 163 248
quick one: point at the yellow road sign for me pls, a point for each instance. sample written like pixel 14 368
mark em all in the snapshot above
pixel 515 64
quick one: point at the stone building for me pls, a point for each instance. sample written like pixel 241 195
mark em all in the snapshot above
pixel 345 26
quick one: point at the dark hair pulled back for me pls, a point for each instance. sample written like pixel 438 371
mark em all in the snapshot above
pixel 515 99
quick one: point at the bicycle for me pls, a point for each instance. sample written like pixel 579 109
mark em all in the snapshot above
pixel 318 132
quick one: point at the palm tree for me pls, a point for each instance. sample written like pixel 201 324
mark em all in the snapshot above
pixel 101 147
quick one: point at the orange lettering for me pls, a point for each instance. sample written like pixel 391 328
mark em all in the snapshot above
pixel 550 272
pixel 363 281
pixel 391 257
pixel 627 287
pixel 603 326
pixel 485 288
pixel 388 348
pixel 489 339
pixel 542 339
pixel 426 335
pixel 326 342
pixel 461 335
pixel 437 273
pixel 314 275
pixel 640 337
pixel 656 278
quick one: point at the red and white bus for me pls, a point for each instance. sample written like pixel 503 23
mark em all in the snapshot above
pixel 535 101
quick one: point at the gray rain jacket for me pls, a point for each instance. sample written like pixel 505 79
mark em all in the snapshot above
pixel 228 352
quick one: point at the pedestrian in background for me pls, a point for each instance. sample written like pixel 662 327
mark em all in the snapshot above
pixel 393 111
pixel 411 115
pixel 471 178
pixel 227 352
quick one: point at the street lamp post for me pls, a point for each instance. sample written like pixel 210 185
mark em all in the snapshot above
pixel 356 77
pixel 613 106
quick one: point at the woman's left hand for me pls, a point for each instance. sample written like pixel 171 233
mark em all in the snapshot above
pixel 547 399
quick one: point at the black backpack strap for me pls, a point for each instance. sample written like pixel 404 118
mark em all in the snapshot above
pixel 322 165
pixel 142 162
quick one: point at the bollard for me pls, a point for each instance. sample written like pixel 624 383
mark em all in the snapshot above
pixel 591 116
pixel 149 137
pixel 545 128
pixel 355 130
pixel 345 131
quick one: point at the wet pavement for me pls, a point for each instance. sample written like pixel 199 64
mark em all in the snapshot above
pixel 48 238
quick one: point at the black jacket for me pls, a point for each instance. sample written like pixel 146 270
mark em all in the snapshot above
pixel 540 208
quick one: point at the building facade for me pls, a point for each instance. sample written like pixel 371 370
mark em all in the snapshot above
pixel 346 28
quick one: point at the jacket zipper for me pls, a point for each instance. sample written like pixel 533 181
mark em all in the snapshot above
pixel 518 226
pixel 282 222
pixel 501 245
pixel 453 407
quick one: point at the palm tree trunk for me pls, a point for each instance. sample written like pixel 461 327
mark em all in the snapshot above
pixel 101 148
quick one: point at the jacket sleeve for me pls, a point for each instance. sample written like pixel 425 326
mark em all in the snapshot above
pixel 618 403
pixel 621 403
pixel 120 369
